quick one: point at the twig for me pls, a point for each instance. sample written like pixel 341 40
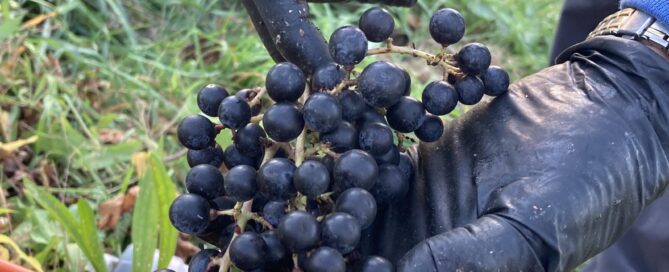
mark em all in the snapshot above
pixel 260 92
pixel 256 119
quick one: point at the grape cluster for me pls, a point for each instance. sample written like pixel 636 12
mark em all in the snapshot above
pixel 306 174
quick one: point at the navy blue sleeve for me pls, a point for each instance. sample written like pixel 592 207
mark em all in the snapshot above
pixel 658 8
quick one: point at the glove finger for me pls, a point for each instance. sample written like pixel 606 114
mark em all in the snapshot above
pixel 262 31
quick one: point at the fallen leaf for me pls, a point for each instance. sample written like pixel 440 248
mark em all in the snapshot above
pixel 110 211
pixel 6 149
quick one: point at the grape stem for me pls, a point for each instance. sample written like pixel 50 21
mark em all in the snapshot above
pixel 442 59
pixel 260 92
pixel 245 208
pixel 256 119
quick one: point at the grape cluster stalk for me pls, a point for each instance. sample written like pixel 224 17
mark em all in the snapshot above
pixel 308 173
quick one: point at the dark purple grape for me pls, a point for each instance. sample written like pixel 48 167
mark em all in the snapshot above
pixel 248 95
pixel 325 259
pixel 391 185
pixel 470 90
pixel 407 87
pixel 327 77
pixel 283 122
pixel 274 211
pixel 382 84
pixel 352 105
pixel 340 231
pixel 276 252
pixel 355 168
pixel 375 138
pixel 407 115
pixel 212 155
pixel 447 26
pixel 209 97
pixel 275 179
pixel 234 112
pixel 189 213
pixel 348 45
pixel 299 231
pixel 376 264
pixel 240 183
pixel 370 115
pixel 391 157
pixel 431 130
pixel 206 181
pixel 285 82
pixel 322 112
pixel 311 178
pixel 496 81
pixel 249 140
pixel 406 166
pixel 377 24
pixel 222 203
pixel 440 98
pixel 232 157
pixel 342 139
pixel 474 59
pixel 248 251
pixel 200 262
pixel 196 132
pixel 360 204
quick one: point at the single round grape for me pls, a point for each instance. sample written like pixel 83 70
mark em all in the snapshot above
pixel 377 24
pixel 209 97
pixel 285 82
pixel 440 98
pixel 406 166
pixel 322 112
pixel 375 138
pixel 299 231
pixel 276 252
pixel 348 45
pixel 212 155
pixel 382 84
pixel 275 179
pixel 496 81
pixel 447 26
pixel 376 264
pixel 248 251
pixel 248 95
pixel 196 132
pixel 355 168
pixel 391 185
pixel 359 203
pixel 200 262
pixel 329 162
pixel 248 139
pixel 222 203
pixel 340 231
pixel 283 122
pixel 206 181
pixel 342 139
pixel 474 58
pixel 274 211
pixel 391 157
pixel 327 77
pixel 189 213
pixel 352 105
pixel 431 130
pixel 325 259
pixel 470 90
pixel 234 112
pixel 233 157
pixel 407 115
pixel 240 183
pixel 311 178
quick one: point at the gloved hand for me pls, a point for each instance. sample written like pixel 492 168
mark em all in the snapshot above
pixel 541 178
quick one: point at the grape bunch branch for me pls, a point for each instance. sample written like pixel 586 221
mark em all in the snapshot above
pixel 308 173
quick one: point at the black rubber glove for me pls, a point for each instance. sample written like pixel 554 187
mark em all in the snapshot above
pixel 541 178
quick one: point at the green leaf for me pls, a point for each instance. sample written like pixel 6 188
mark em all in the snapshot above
pixel 8 27
pixel 166 194
pixel 89 234
pixel 67 220
pixel 144 222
